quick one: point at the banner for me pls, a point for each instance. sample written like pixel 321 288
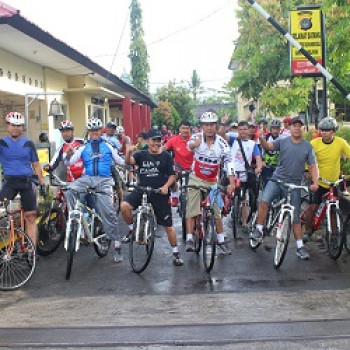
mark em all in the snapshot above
pixel 306 26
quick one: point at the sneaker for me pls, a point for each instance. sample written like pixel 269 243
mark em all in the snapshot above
pixel 256 235
pixel 118 257
pixel 127 237
pixel 224 249
pixel 189 246
pixel 174 201
pixel 177 261
pixel 345 193
pixel 303 253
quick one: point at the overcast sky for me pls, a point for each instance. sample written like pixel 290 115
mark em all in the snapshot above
pixel 181 35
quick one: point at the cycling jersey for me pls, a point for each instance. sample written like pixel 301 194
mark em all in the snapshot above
pixel 207 159
pixel 75 170
pixel 328 157
pixel 98 157
pixel 112 140
pixel 183 156
pixel 251 150
pixel 17 156
pixel 271 157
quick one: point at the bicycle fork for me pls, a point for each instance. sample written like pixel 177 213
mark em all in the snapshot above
pixel 286 208
pixel 74 216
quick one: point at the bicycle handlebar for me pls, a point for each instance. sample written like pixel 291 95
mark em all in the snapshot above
pixel 331 183
pixel 205 189
pixel 59 181
pixel 146 189
pixel 290 185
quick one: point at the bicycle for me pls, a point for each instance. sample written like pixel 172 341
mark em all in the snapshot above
pixel 329 210
pixel 52 224
pixel 204 229
pixel 17 250
pixel 84 226
pixel 141 243
pixel 183 180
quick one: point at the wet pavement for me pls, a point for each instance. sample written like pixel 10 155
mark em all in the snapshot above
pixel 243 289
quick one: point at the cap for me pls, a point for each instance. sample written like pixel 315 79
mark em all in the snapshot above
pixel 297 119
pixel 111 125
pixel 287 120
pixel 154 134
pixel 234 125
pixel 143 134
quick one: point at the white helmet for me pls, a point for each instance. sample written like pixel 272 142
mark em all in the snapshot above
pixel 94 124
pixel 15 118
pixel 328 124
pixel 66 125
pixel 119 130
pixel 209 117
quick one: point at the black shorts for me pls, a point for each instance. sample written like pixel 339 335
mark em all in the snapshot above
pixel 25 188
pixel 160 204
pixel 316 197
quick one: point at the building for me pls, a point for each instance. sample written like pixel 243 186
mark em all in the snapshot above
pixel 36 68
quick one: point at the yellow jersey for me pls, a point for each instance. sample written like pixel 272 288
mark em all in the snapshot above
pixel 328 157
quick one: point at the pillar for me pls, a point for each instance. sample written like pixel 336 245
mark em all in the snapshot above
pixel 136 120
pixel 144 118
pixel 127 117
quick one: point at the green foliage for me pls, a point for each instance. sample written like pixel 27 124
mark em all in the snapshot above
pixel 138 51
pixel 175 104
pixel 195 84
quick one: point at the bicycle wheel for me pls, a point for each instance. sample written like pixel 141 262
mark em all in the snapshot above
pixel 282 240
pixel 335 237
pixel 103 242
pixel 51 228
pixel 116 201
pixel 141 249
pixel 253 244
pixel 252 203
pixel 346 234
pixel 209 244
pixel 236 215
pixel 197 237
pixel 182 213
pixel 72 240
pixel 17 259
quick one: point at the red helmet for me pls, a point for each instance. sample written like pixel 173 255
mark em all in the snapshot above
pixel 287 120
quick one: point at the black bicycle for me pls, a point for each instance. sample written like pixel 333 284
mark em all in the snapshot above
pixel 183 181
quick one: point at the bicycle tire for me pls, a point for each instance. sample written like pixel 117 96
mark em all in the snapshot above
pixel 116 202
pixel 72 240
pixel 17 267
pixel 182 213
pixel 235 213
pixel 253 244
pixel 335 239
pixel 197 237
pixel 104 241
pixel 51 228
pixel 209 244
pixel 282 241
pixel 252 203
pixel 346 234
pixel 140 253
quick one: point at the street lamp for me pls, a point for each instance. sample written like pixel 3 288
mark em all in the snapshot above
pixel 55 107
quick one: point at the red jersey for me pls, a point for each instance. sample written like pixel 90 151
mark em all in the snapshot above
pixel 183 156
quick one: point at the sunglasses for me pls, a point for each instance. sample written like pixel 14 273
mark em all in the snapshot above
pixel 326 129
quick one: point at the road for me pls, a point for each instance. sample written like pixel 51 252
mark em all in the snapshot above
pixel 243 302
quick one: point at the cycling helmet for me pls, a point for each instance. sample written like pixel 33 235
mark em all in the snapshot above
pixel 262 120
pixel 328 124
pixel 94 124
pixel 275 124
pixel 15 118
pixel 66 125
pixel 208 117
pixel 119 130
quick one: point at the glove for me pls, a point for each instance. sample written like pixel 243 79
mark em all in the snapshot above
pixel 47 168
pixel 42 190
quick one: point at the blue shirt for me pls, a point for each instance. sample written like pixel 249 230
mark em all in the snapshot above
pixel 17 156
pixel 113 141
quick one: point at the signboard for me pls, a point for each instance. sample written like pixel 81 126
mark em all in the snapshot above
pixel 44 157
pixel 306 26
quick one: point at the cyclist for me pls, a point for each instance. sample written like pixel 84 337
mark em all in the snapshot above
pixel 74 171
pixel 124 141
pixel 271 157
pixel 109 135
pixel 285 131
pixel 250 149
pixel 328 148
pixel 156 170
pixel 20 164
pixel 294 153
pixel 183 158
pixel 98 157
pixel 209 149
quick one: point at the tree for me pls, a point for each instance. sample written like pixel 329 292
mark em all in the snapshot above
pixel 138 51
pixel 195 84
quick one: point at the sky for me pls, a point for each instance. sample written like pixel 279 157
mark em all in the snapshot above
pixel 180 35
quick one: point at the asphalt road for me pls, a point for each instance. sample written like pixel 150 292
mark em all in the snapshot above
pixel 243 302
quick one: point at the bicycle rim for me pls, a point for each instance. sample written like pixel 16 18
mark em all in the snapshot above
pixel 141 251
pixel 282 241
pixel 102 249
pixel 17 259
pixel 335 237
pixel 71 248
pixel 197 237
pixel 235 212
pixel 209 244
pixel 51 228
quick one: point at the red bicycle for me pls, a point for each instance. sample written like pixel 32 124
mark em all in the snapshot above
pixel 329 215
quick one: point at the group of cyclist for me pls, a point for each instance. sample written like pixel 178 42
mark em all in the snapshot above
pixel 278 154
